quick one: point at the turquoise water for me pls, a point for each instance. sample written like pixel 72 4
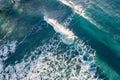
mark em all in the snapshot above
pixel 35 48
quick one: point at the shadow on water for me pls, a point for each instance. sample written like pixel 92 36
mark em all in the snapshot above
pixel 103 52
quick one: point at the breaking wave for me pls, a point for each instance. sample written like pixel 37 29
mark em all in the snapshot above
pixel 79 8
pixel 68 36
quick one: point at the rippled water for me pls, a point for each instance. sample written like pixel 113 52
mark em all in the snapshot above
pixel 59 40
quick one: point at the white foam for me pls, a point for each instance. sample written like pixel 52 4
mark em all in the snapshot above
pixel 7 49
pixel 76 8
pixel 1 66
pixel 51 65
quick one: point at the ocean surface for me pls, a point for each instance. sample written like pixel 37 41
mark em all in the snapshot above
pixel 59 39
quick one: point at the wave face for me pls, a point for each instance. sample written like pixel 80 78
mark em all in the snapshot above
pixel 59 40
